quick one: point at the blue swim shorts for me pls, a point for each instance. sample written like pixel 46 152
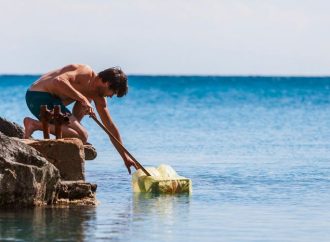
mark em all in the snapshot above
pixel 34 99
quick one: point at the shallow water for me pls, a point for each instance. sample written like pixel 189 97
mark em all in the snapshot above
pixel 257 150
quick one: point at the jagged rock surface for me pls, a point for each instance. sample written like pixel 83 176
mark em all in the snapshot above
pixel 11 129
pixel 76 190
pixel 90 152
pixel 26 178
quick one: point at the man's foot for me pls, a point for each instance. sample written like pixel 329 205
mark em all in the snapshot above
pixel 30 125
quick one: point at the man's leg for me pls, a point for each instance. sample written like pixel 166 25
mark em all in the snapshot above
pixel 74 129
pixel 78 111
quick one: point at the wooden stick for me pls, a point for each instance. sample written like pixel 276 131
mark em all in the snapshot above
pixel 118 142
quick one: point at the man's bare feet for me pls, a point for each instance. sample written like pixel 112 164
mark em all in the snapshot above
pixel 30 125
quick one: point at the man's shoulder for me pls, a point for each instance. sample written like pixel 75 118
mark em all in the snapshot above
pixel 85 71
pixel 82 68
pixel 79 68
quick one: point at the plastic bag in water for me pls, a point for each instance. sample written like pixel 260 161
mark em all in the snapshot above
pixel 163 179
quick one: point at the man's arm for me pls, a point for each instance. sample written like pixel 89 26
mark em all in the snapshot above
pixel 102 109
pixel 62 85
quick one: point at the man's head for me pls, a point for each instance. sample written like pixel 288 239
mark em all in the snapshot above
pixel 117 80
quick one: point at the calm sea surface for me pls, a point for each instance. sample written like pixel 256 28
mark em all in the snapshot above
pixel 256 148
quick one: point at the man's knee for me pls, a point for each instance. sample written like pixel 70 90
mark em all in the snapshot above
pixel 81 131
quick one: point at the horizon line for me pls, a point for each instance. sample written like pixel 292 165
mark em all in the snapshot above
pixel 199 75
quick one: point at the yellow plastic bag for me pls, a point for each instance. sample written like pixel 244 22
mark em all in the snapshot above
pixel 163 179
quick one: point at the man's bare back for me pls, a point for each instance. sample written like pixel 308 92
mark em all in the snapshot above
pixel 78 75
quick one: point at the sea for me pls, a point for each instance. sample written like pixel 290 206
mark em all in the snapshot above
pixel 257 150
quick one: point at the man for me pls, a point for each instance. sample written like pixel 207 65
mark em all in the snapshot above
pixel 77 83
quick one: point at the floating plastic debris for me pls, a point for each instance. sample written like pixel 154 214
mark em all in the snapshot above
pixel 163 179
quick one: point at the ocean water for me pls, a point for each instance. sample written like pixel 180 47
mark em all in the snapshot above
pixel 256 148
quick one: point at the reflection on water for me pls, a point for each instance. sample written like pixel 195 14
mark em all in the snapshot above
pixel 164 215
pixel 162 205
pixel 46 224
pixel 145 216
pixel 141 217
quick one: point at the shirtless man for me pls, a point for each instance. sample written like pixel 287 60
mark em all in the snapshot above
pixel 80 84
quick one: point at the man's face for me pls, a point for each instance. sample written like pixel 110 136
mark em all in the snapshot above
pixel 109 93
pixel 104 90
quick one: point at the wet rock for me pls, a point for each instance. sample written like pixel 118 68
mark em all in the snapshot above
pixel 67 155
pixel 90 152
pixel 11 129
pixel 26 178
pixel 76 190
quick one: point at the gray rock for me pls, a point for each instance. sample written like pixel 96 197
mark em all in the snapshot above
pixel 26 178
pixel 11 129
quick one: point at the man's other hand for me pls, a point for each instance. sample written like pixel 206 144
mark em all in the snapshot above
pixel 128 163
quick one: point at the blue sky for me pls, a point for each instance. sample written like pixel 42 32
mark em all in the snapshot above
pixel 209 37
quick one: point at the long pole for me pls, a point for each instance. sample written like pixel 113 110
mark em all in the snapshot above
pixel 118 142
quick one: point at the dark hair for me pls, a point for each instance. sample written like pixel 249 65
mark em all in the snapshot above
pixel 117 79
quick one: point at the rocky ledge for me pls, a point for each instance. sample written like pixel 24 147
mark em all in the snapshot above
pixel 11 129
pixel 43 172
pixel 76 192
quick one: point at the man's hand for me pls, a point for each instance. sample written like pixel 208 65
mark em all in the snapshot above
pixel 87 107
pixel 128 163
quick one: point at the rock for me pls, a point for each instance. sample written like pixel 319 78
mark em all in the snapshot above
pixel 11 129
pixel 76 190
pixel 26 178
pixel 67 155
pixel 90 152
